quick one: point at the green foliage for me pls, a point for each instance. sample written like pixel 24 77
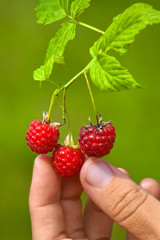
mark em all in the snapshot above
pixel 107 74
pixel 49 11
pixel 78 6
pixel 64 4
pixel 121 33
pixel 56 50
pixel 43 73
pixel 95 49
pixel 105 71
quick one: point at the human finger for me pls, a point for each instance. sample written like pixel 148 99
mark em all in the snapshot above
pixel 44 201
pixel 97 225
pixel 121 199
pixel 72 207
pixel 124 171
pixel 152 187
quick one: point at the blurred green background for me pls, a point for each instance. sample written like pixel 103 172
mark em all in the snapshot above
pixel 134 113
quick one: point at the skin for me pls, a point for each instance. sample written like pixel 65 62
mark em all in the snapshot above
pixel 56 209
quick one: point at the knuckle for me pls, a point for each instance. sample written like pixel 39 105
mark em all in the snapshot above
pixel 128 202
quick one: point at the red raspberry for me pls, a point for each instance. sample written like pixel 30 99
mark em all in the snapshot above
pixel 42 137
pixel 67 161
pixel 97 141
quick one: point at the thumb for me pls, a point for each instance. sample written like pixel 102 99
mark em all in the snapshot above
pixel 121 199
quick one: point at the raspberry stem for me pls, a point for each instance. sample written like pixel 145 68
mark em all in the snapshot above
pixel 56 84
pixel 87 26
pixel 52 101
pixel 55 93
pixel 64 112
pixel 80 73
pixel 91 27
pixel 91 94
pixel 65 115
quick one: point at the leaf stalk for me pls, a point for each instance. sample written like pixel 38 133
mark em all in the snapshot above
pixel 65 116
pixel 87 25
pixel 52 101
pixel 91 27
pixel 91 94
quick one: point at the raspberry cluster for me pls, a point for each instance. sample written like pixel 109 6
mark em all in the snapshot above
pixel 94 141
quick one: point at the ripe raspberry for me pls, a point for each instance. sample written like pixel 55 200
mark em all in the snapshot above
pixel 97 141
pixel 42 137
pixel 67 161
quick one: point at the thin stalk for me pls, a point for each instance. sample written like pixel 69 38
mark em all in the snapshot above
pixel 65 115
pixel 87 26
pixel 52 101
pixel 56 84
pixel 74 78
pixel 80 73
pixel 64 105
pixel 91 27
pixel 91 94
pixel 66 86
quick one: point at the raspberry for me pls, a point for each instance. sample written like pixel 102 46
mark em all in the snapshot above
pixel 42 137
pixel 67 161
pixel 97 141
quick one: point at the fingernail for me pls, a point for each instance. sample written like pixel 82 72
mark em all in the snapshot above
pixel 97 173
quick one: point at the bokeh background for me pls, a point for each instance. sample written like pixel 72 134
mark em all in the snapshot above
pixel 134 113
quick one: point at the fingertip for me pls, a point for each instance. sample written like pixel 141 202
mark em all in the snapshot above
pixel 42 163
pixel 46 184
pixel 44 201
pixel 43 157
pixel 151 186
pixel 124 171
pixel 116 171
pixel 84 167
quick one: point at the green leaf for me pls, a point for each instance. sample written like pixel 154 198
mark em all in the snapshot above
pixel 78 6
pixel 121 33
pixel 108 75
pixel 49 11
pixel 64 4
pixel 56 50
pixel 43 73
pixel 96 47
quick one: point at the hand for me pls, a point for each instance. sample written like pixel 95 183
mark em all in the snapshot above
pixel 56 211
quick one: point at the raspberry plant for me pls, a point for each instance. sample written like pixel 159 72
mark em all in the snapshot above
pixel 105 71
